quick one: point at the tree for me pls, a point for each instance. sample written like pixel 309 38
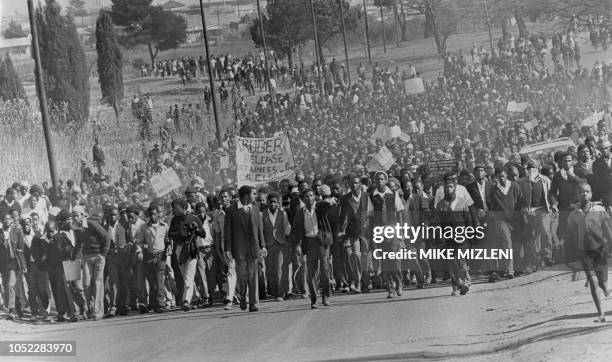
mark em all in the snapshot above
pixel 77 8
pixel 10 85
pixel 110 63
pixel 285 27
pixel 153 26
pixel 14 30
pixel 441 19
pixel 329 23
pixel 63 61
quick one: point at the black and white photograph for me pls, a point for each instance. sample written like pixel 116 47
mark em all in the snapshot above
pixel 305 180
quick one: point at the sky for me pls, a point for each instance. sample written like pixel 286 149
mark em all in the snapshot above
pixel 8 7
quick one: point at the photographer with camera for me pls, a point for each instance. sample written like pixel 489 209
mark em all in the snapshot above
pixel 184 229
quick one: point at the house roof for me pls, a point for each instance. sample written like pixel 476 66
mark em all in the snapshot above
pixel 15 42
pixel 171 4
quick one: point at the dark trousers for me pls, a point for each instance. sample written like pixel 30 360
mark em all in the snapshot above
pixel 155 271
pixel 38 297
pixel 204 276
pixel 59 291
pixel 352 260
pixel 247 272
pixel 277 269
pixel 317 259
pixel 299 271
pixel 118 279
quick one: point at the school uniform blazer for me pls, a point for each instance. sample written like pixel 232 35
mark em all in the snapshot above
pixel 243 239
pixel 16 238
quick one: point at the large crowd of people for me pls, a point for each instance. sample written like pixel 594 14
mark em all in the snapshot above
pixel 214 242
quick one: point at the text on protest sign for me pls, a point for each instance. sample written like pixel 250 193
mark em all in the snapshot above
pixel 414 86
pixel 165 182
pixel 440 167
pixel 260 160
pixel 437 139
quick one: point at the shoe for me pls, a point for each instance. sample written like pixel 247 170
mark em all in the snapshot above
pixel 493 277
pixel 354 290
pixel 314 306
pixel 228 307
pixel 161 310
pixel 74 319
pixel 11 316
pixel 253 308
pixel 279 299
pixel 33 318
pixel 60 319
pixel 186 306
pixel 455 293
pixel 464 289
pixel 398 290
pixel 205 304
pixel 326 302
pixel 82 317
pixel 510 276
pixel 112 312
pixel 390 295
pixel 45 318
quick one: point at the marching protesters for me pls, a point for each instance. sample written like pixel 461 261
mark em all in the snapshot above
pixel 118 263
pixel 454 212
pixel 184 228
pixel 243 236
pixel 37 277
pixel 92 244
pixel 134 240
pixel 311 230
pixel 385 209
pixel 276 229
pixel 224 262
pixel 589 228
pixel 155 245
pixel 204 278
pixel 353 232
pixel 13 266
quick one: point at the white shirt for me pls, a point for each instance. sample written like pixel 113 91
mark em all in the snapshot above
pixel 70 235
pixel 273 216
pixel 399 204
pixel 460 191
pixel 482 191
pixel 244 207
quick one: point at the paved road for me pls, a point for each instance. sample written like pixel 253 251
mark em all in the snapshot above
pixel 541 316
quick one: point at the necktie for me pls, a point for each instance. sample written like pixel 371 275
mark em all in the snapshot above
pixel 384 209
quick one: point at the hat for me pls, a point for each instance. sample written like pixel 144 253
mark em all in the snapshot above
pixel 190 190
pixel 63 215
pixel 122 206
pixel 80 209
pixel 133 208
pixel 325 190
pixel 36 188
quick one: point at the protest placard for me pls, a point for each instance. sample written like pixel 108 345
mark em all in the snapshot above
pixel 517 107
pixel 440 167
pixel 224 161
pixel 165 182
pixel 382 161
pixel 592 120
pixel 414 86
pixel 260 160
pixel 437 139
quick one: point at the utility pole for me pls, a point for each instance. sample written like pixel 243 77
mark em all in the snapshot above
pixel 348 69
pixel 316 41
pixel 263 42
pixel 42 98
pixel 367 31
pixel 486 9
pixel 382 24
pixel 213 89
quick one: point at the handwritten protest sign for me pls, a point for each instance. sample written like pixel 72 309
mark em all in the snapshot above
pixel 165 182
pixel 224 161
pixel 260 160
pixel 440 167
pixel 382 161
pixel 517 107
pixel 437 139
pixel 386 133
pixel 414 86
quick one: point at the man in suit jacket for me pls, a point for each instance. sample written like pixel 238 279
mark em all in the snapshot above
pixel 602 176
pixel 13 265
pixel 353 226
pixel 223 257
pixel 276 228
pixel 479 189
pixel 118 263
pixel 312 231
pixel 243 233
